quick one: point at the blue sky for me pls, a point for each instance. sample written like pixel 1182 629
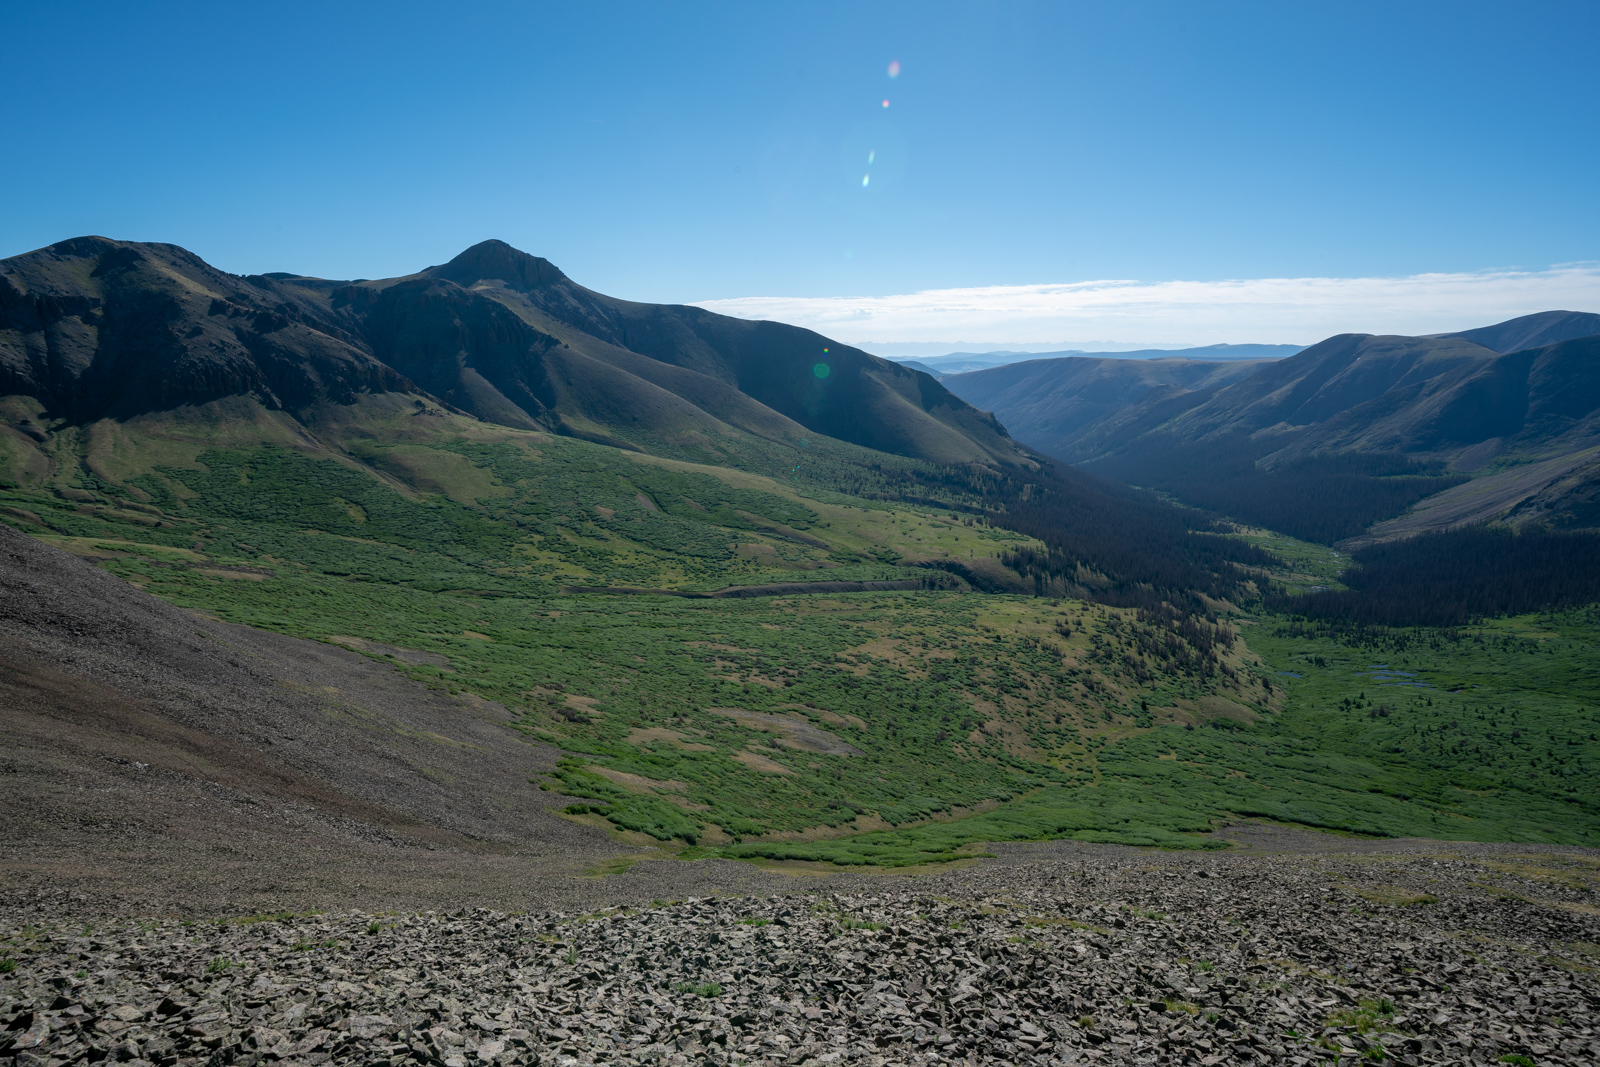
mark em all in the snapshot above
pixel 706 152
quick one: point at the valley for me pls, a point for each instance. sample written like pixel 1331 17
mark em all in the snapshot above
pixel 740 636
pixel 854 725
pixel 800 535
pixel 1355 439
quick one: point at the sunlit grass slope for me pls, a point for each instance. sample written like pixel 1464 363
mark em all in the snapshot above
pixel 891 726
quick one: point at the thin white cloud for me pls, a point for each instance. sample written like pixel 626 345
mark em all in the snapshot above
pixel 1261 310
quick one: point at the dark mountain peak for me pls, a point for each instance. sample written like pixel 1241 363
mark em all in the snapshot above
pixel 114 261
pixel 92 328
pixel 37 271
pixel 86 246
pixel 497 261
pixel 1532 331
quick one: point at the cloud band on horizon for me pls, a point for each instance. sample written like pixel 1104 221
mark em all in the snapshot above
pixel 1262 310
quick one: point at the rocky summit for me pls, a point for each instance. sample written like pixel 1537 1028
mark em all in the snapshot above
pixel 1050 954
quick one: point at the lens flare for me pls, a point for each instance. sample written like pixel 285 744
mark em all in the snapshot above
pixel 894 68
pixel 820 370
pixel 872 155
pixel 866 180
pixel 886 103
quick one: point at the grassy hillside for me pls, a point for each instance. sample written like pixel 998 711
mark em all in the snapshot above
pixel 120 359
pixel 898 723
pixel 471 554
pixel 417 496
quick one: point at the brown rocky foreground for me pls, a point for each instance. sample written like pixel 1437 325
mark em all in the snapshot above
pixel 1290 948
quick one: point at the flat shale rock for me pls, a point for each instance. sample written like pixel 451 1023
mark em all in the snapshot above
pixel 1111 956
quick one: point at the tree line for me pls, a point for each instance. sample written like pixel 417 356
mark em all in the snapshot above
pixel 1456 577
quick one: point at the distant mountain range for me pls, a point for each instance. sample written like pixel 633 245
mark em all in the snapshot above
pixel 916 364
pixel 1357 437
pixel 967 362
pixel 94 328
pixel 1347 433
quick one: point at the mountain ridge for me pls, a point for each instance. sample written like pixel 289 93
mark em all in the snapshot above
pixel 1380 422
pixel 416 381
pixel 89 330
pixel 954 363
pixel 93 327
pixel 1049 402
pixel 997 646
pixel 1532 331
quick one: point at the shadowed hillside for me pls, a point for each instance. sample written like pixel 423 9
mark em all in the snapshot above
pixel 1460 576
pixel 1351 432
pixel 94 328
pixel 1052 403
pixel 1532 331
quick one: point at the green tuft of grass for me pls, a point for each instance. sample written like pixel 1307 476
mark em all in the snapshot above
pixel 1370 1015
pixel 704 989
pixel 272 917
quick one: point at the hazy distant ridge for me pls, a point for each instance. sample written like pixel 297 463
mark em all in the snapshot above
pixel 966 362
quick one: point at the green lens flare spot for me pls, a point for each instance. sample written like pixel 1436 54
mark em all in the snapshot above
pixel 820 370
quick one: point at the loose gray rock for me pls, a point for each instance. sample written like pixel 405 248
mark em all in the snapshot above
pixel 1106 957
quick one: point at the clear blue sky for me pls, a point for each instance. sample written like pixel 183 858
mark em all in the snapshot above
pixel 695 151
